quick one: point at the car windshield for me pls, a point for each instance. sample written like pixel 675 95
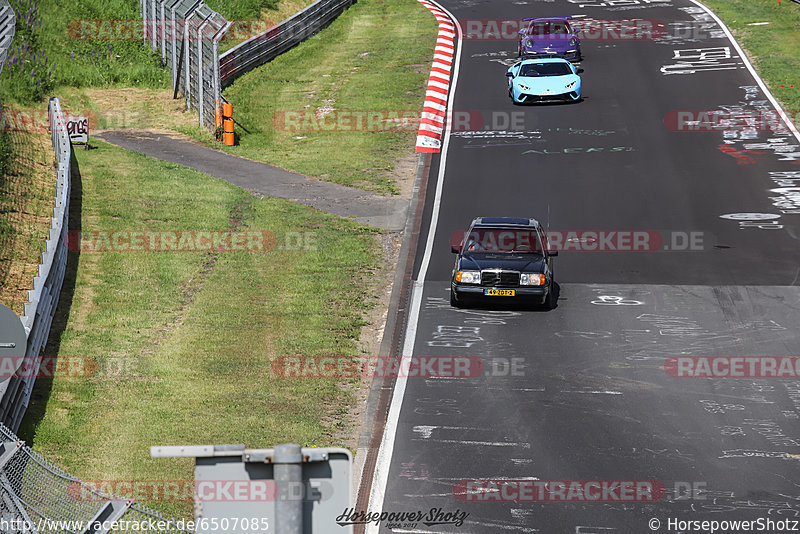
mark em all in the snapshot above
pixel 545 69
pixel 548 27
pixel 503 240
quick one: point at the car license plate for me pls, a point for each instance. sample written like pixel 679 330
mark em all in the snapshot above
pixel 499 292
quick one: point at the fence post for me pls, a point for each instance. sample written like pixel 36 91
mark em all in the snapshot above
pixel 187 44
pixel 176 66
pixel 163 21
pixel 200 90
pixel 151 25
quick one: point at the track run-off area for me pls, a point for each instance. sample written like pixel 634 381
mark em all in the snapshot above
pixel 583 395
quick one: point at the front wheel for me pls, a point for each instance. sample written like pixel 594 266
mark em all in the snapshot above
pixel 550 300
pixel 454 301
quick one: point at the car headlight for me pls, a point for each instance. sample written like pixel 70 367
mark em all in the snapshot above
pixel 571 85
pixel 468 277
pixel 524 87
pixel 573 42
pixel 531 279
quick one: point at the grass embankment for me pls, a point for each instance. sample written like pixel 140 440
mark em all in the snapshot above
pixel 184 340
pixel 374 57
pixel 27 191
pixel 193 334
pixel 98 43
pixel 774 48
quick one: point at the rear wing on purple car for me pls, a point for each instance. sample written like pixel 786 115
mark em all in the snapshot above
pixel 547 18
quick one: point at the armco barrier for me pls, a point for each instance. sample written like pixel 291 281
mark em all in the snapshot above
pixel 35 493
pixel 188 34
pixel 43 298
pixel 266 46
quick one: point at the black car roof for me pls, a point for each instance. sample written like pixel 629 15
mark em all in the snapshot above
pixel 505 221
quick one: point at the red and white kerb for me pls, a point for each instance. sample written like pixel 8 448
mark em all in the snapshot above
pixel 434 110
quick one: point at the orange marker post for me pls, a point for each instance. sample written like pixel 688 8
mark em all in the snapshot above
pixel 227 124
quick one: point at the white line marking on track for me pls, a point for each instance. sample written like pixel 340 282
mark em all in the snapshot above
pixel 383 462
pixel 594 392
pixel 518 528
pixel 480 443
pixel 756 77
pixel 425 431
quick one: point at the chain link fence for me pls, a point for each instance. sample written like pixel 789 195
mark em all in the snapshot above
pixel 8 21
pixel 37 496
pixel 188 34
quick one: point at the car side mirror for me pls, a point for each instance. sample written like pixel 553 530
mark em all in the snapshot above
pixel 578 70
pixel 552 253
pixel 510 74
pixel 455 249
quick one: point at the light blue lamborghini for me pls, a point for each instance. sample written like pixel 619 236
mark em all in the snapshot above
pixel 542 80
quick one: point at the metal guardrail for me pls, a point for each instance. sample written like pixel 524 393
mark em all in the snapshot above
pixel 188 34
pixel 43 298
pixel 266 46
pixel 35 493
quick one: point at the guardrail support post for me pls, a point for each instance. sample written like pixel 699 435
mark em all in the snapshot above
pixel 288 461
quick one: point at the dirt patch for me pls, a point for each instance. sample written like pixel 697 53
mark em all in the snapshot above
pixel 404 174
pixel 129 107
pixel 420 68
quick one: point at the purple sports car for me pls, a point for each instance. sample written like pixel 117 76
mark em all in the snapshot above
pixel 549 37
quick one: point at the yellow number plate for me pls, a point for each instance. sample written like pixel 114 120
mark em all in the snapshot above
pixel 499 292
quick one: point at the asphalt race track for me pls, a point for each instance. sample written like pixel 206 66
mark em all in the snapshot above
pixel 580 393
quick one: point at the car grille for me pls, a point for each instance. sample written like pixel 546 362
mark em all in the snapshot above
pixel 500 278
pixel 550 98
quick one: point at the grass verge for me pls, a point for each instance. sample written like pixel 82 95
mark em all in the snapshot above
pixel 374 57
pixel 98 43
pixel 184 340
pixel 774 48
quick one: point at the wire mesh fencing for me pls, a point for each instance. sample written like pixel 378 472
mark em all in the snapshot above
pixel 37 496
